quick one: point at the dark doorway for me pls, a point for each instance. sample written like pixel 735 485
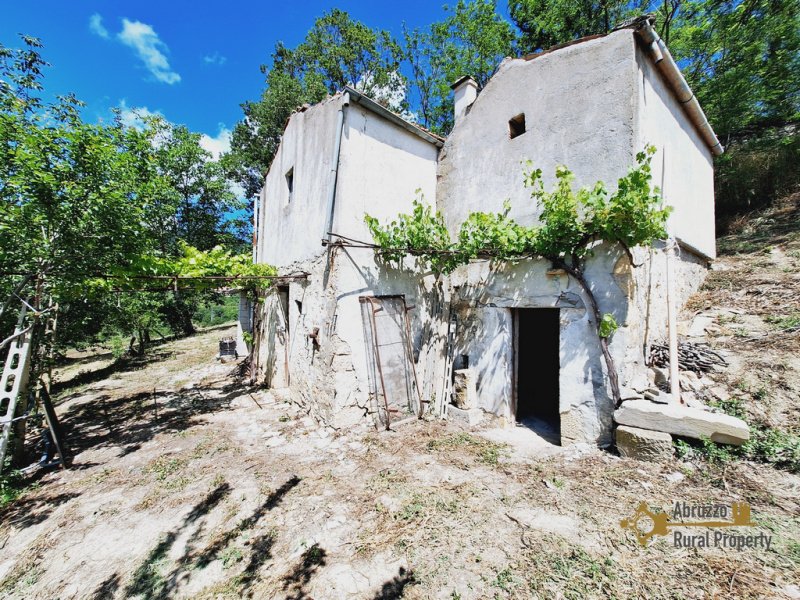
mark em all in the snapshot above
pixel 283 296
pixel 536 342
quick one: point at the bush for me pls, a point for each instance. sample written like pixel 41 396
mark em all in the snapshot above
pixel 216 312
pixel 755 171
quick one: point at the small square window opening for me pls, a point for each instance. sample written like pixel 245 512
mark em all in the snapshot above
pixel 516 126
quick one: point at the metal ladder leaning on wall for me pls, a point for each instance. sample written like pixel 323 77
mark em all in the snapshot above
pixel 14 388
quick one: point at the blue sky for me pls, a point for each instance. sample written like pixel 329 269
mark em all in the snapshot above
pixel 193 62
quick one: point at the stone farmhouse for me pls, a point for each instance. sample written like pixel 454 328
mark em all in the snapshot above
pixel 355 339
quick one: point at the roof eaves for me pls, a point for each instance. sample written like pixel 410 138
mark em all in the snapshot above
pixel 380 110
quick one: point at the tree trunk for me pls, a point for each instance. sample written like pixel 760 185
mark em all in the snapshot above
pixel 613 377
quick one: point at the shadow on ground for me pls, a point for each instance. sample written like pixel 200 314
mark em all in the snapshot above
pixel 129 421
pixel 150 583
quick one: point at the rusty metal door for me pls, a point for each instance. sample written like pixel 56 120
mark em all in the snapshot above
pixel 390 359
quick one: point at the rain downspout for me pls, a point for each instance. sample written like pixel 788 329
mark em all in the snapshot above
pixel 337 146
pixel 683 93
pixel 256 202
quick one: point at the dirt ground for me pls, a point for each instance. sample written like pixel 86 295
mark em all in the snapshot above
pixel 184 484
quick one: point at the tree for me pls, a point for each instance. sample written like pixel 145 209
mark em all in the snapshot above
pixel 472 40
pixel 336 52
pixel 79 200
pixel 742 59
pixel 545 23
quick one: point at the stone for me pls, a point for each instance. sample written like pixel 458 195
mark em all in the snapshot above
pixel 658 396
pixel 675 477
pixel 692 401
pixel 465 389
pixel 639 383
pixel 690 382
pixel 628 393
pixel 683 421
pixel 660 375
pixel 720 393
pixel 472 416
pixel 643 444
pixel 699 325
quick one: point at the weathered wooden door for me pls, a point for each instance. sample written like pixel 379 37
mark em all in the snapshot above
pixel 390 361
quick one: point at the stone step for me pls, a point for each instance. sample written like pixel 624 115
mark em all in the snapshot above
pixel 683 421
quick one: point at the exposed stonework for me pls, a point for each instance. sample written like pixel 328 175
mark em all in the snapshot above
pixel 643 444
pixel 464 388
pixel 471 317
pixel 683 421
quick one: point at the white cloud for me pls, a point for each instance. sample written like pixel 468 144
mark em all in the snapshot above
pixel 134 116
pixel 150 49
pixel 215 59
pixel 217 145
pixel 96 26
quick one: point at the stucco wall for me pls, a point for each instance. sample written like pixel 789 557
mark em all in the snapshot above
pixel 380 170
pixel 683 166
pixel 579 105
pixel 381 167
pixel 594 120
pixel 291 231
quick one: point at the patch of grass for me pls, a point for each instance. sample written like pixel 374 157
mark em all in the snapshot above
pixel 386 479
pixel 284 418
pixel 506 580
pixel 11 487
pixel 483 450
pixel 412 510
pixel 778 448
pixel 163 467
pixel 557 568
pixel 785 322
pixel 230 556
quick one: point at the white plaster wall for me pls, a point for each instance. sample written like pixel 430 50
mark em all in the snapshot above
pixel 579 104
pixel 683 166
pixel 483 293
pixel 380 170
pixel 381 167
pixel 292 231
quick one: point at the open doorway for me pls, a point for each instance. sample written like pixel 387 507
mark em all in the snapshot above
pixel 536 366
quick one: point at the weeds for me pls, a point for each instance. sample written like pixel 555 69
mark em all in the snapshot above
pixel 786 323
pixel 11 487
pixel 483 450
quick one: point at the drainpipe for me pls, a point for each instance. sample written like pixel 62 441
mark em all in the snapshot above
pixel 671 72
pixel 256 202
pixel 337 146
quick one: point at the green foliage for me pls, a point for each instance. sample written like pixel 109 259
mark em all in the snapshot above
pixel 471 40
pixel 337 51
pixel 422 233
pixel 786 323
pixel 217 311
pixel 545 23
pixel 767 445
pixel 755 170
pixel 570 223
pixel 10 486
pixel 80 200
pixel 608 325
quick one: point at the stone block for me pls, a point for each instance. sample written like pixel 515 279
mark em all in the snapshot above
pixel 643 444
pixel 472 416
pixel 683 421
pixel 465 388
